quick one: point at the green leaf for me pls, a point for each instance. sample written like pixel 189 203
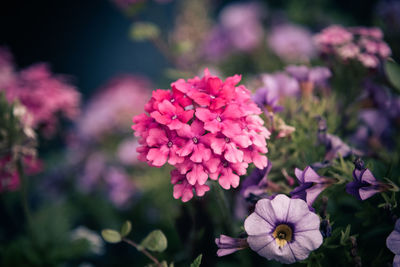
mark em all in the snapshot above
pixel 345 236
pixel 393 73
pixel 155 241
pixel 197 261
pixel 126 228
pixel 111 236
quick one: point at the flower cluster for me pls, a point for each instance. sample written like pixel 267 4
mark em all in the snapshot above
pixel 43 94
pixel 205 128
pixel 363 44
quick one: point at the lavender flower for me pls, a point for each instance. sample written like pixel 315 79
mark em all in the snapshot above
pixel 292 43
pixel 228 245
pixel 310 185
pixel 256 182
pixel 280 85
pixel 283 229
pixel 393 243
pixel 364 184
pixel 266 100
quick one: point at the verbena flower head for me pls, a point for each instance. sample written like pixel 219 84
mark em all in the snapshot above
pixel 283 229
pixel 292 43
pixel 45 96
pixel 362 44
pixel 204 127
pixel 393 243
pixel 364 184
pixel 310 185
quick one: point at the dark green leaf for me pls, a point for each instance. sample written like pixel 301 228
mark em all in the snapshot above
pixel 393 73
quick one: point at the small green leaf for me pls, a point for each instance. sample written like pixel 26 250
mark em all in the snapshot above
pixel 393 73
pixel 126 228
pixel 141 31
pixel 197 261
pixel 111 236
pixel 155 241
pixel 345 236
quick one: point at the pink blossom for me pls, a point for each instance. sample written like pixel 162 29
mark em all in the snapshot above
pixel 205 128
pixel 45 95
pixel 363 44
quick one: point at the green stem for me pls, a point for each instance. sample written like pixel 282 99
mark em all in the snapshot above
pixel 224 207
pixel 24 191
pixel 143 250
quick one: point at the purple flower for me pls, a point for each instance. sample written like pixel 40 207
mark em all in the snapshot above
pixel 317 75
pixel 266 100
pixel 393 243
pixel 292 43
pixel 364 184
pixel 310 185
pixel 283 229
pixel 228 245
pixel 256 182
pixel 280 85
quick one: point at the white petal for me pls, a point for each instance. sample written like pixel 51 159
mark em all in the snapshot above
pixel 297 210
pixel 265 210
pixel 281 205
pixel 310 221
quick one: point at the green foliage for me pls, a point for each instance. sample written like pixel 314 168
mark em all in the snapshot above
pixel 155 241
pixel 197 261
pixel 393 73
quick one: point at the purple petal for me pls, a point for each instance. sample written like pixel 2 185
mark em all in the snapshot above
pixel 367 176
pixel 393 241
pixel 313 192
pixel 310 175
pixel 297 211
pixel 367 192
pixel 304 243
pixel 258 242
pixel 308 222
pixel 281 204
pixel 272 252
pixel 226 251
pixel 265 210
pixel 299 175
pixel 257 225
pixel 396 261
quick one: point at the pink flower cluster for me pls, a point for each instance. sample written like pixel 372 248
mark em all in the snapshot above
pixel 358 43
pixel 43 94
pixel 205 128
pixel 9 177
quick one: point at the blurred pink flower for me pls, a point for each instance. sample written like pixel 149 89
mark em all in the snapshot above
pixel 366 45
pixel 44 94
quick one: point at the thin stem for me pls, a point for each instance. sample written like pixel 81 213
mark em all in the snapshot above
pixel 143 250
pixel 24 191
pixel 224 207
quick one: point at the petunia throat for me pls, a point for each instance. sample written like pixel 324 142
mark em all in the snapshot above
pixel 282 234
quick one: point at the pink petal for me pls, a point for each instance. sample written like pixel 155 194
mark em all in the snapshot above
pixel 156 157
pixel 197 174
pixel 232 154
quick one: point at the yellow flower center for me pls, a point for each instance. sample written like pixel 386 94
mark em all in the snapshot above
pixel 282 234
